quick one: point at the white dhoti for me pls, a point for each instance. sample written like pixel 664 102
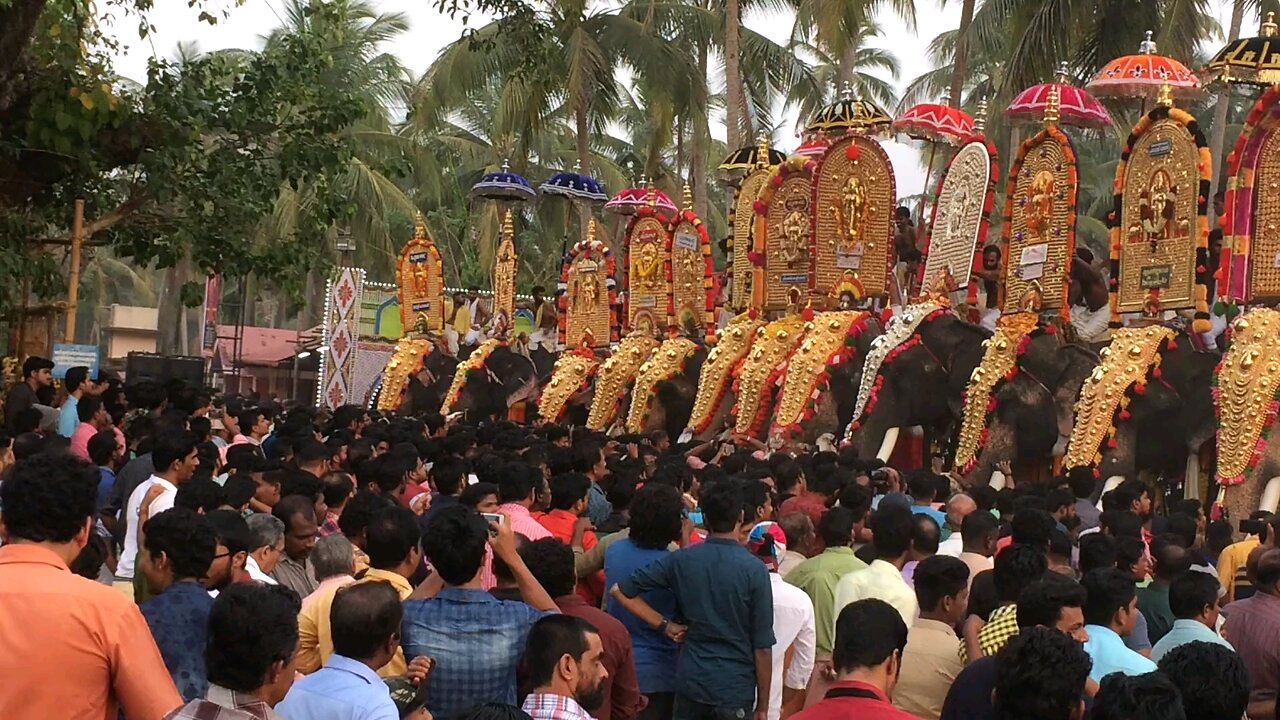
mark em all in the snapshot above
pixel 543 338
pixel 1091 325
pixel 989 318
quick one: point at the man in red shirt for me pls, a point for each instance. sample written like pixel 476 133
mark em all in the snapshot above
pixel 870 638
pixel 568 502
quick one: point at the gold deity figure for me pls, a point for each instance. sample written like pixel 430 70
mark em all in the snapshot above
pixel 1038 211
pixel 691 268
pixel 420 279
pixel 795 231
pixel 644 324
pixel 586 292
pixel 647 266
pixel 851 213
pixel 956 213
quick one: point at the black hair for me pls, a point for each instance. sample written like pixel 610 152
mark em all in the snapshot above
pixel 1267 573
pixel 171 446
pixel 516 483
pixel 391 534
pixel 474 493
pixel 891 527
pixel 48 498
pixel 1213 680
pixel 1129 552
pixel 1183 527
pixel 1016 567
pixel 586 453
pixel 1042 601
pixel 1040 673
pixel 201 427
pixel 87 407
pixel 1187 506
pixel 857 498
pixel 1058 498
pixel 360 510
pixel 939 577
pixel 1031 526
pixel 251 627
pixel 239 489
pixel 1191 592
pixel 203 495
pixel 1096 551
pixel 921 485
pixel 568 490
pixel 977 526
pixel 102 446
pixel 787 473
pixel 551 564
pixel 1122 523
pixel 925 535
pixel 28 444
pixel 186 537
pixel 75 377
pixel 655 518
pixel 721 504
pixel 867 633
pixel 307 450
pixel 248 418
pixel 232 530
pixel 1151 696
pixel 300 482
pixel 1171 559
pixel 835 527
pixel 337 487
pixel 88 563
pixel 1109 590
pixel 455 543
pixel 449 474
pixel 550 639
pixel 363 617
pixel 755 493
pixel 1059 544
pixel 1129 491
pixel 1082 482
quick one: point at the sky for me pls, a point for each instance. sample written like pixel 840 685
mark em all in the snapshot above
pixel 430 31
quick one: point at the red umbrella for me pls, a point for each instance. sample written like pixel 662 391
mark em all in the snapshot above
pixel 935 122
pixel 1076 107
pixel 1143 74
pixel 632 199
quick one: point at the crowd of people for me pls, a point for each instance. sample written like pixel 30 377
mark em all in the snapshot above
pixel 175 555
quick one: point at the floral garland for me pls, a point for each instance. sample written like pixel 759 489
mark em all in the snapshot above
pixel 407 360
pixel 1249 377
pixel 708 275
pixel 793 166
pixel 830 341
pixel 572 374
pixel 899 336
pixel 1051 133
pixel 984 223
pixel 1238 217
pixel 1201 323
pixel 665 363
pixel 720 367
pixel 760 371
pixel 474 361
pixel 643 212
pixel 562 288
pixel 613 377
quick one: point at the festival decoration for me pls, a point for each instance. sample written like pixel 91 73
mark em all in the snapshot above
pixel 830 340
pixel 407 360
pixel 665 363
pixel 1075 106
pixel 648 288
pixel 935 122
pixel 587 294
pixel 760 371
pixel 505 266
pixel 959 225
pixel 999 363
pixel 731 348
pixel 1125 366
pixel 852 239
pixel 1143 75
pixel 572 374
pixel 693 291
pixel 613 377
pixel 632 199
pixel 899 335
pixel 420 280
pixel 503 185
pixel 1248 61
pixel 814 146
pixel 1040 220
pixel 1246 393
pixel 575 186
pixel 1159 227
pixel 745 159
pixel 849 113
pixel 781 243
pixel 741 223
pixel 474 361
pixel 341 333
pixel 1248 270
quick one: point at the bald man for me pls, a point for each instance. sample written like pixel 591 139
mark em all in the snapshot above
pixel 958 507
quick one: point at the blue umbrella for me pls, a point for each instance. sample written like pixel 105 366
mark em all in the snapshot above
pixel 575 186
pixel 503 185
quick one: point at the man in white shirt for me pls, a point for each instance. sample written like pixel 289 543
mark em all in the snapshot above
pixel 174 456
pixel 266 548
pixel 891 527
pixel 793 621
pixel 958 507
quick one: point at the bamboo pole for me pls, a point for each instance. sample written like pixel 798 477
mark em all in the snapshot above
pixel 73 282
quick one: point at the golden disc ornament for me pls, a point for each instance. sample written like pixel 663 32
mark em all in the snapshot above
pixel 1245 393
pixel 899 334
pixel 406 360
pixel 830 340
pixel 760 372
pixel 474 361
pixel 854 197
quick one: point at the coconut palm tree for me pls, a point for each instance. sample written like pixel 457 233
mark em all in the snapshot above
pixel 872 72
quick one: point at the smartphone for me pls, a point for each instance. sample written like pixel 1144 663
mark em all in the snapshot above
pixel 495 518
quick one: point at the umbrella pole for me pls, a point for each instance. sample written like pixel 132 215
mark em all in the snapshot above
pixel 928 175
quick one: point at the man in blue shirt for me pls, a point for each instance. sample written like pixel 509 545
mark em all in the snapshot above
pixel 923 486
pixel 1193 598
pixel 179 546
pixel 77 383
pixel 475 638
pixel 365 622
pixel 1111 613
pixel 723 595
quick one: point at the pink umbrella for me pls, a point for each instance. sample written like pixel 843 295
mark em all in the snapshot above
pixel 633 198
pixel 814 146
pixel 1076 107
pixel 935 122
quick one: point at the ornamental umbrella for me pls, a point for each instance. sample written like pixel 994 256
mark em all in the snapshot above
pixel 814 146
pixel 503 185
pixel 575 186
pixel 1142 75
pixel 633 198
pixel 1076 107
pixel 935 122
pixel 1248 61
pixel 745 159
pixel 849 113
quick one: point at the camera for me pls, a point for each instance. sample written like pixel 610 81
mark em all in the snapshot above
pixel 1254 527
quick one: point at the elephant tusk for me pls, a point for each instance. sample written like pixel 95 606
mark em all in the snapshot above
pixel 887 445
pixel 1191 480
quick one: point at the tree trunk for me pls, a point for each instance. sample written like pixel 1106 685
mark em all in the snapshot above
pixel 698 147
pixel 1218 138
pixel 583 129
pixel 169 313
pixel 738 131
pixel 847 63
pixel 961 60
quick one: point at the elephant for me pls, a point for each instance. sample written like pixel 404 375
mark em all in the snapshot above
pixel 922 385
pixel 668 406
pixel 714 396
pixel 424 390
pixel 506 378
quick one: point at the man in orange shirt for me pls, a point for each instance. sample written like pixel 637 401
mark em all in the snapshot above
pixel 568 502
pixel 69 647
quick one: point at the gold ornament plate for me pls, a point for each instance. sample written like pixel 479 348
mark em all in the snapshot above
pixel 474 361
pixel 732 345
pixel 1158 222
pixel 824 339
pixel 647 272
pixel 1264 248
pixel 572 369
pixel 1127 360
pixel 613 377
pixel 586 308
pixel 957 217
pixel 1248 378
pixel 664 364
pixel 853 217
pixel 787 242
pixel 420 281
pixel 1040 221
pixel 897 331
pixel 744 200
pixel 690 276
pixel 774 343
pixel 505 267
pixel 999 354
pixel 405 360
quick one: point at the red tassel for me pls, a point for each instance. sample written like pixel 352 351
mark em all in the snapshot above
pixel 776 181
pixel 1173 344
pixel 851 151
pixel 1156 373
pixel 1200 268
pixel 1111 443
pixel 1097 473
pixel 760 208
pixel 1111 215
pixel 1125 415
pixel 807 314
pixel 1139 388
pixel 1050 329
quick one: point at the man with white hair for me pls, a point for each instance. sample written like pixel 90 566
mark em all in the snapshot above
pixel 333 558
pixel 958 507
pixel 267 532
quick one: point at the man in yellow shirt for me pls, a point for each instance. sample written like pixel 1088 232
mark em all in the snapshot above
pixel 392 545
pixel 1233 557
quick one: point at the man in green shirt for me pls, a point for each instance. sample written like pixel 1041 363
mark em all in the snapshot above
pixel 818 577
pixel 1171 560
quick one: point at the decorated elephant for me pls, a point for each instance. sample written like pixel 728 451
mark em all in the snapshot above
pixel 417 376
pixel 663 392
pixel 714 397
pixel 494 378
pixel 1245 394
